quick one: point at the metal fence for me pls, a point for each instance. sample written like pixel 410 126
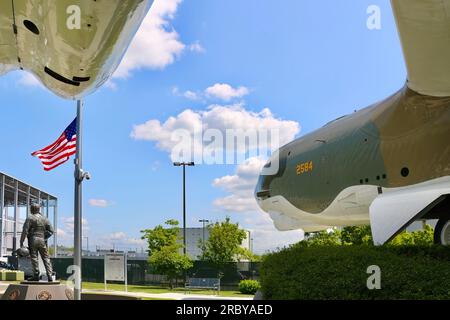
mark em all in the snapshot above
pixel 140 272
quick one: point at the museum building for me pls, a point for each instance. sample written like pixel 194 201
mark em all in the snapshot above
pixel 15 199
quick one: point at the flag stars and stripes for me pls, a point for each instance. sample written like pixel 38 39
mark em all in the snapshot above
pixel 61 150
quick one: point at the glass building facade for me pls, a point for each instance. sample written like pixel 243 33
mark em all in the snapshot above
pixel 15 199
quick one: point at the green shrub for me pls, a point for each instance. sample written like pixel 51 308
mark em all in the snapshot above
pixel 340 272
pixel 363 236
pixel 323 238
pixel 356 236
pixel 421 237
pixel 249 286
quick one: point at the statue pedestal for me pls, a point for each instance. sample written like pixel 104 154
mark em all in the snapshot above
pixel 36 290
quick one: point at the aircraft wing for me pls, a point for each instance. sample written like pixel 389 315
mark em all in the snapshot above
pixel 72 46
pixel 424 29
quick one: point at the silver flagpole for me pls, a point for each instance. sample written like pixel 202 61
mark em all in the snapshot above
pixel 79 176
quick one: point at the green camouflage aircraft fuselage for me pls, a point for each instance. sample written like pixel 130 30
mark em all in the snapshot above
pixel 402 141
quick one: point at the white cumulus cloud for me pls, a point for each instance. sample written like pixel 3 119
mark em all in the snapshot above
pixel 156 44
pixel 29 80
pixel 191 95
pixel 99 203
pixel 240 199
pixel 240 186
pixel 116 236
pixel 63 234
pixel 120 239
pixel 226 92
pixel 219 91
pixel 222 119
pixel 65 230
pixel 197 47
pixel 68 224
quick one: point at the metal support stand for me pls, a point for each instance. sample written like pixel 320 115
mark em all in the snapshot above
pixel 79 176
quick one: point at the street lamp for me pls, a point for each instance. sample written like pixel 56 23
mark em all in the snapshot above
pixel 87 244
pixel 204 221
pixel 184 164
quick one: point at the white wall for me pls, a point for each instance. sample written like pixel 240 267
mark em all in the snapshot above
pixel 195 235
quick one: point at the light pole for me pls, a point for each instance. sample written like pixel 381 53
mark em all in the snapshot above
pixel 184 164
pixel 78 205
pixel 87 244
pixel 204 221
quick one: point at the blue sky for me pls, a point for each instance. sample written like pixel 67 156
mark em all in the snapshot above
pixel 307 61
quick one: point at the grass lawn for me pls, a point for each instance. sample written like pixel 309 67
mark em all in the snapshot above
pixel 106 294
pixel 156 289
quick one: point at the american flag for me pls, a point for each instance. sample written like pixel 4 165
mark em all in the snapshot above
pixel 60 151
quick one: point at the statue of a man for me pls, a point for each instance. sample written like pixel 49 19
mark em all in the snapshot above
pixel 38 229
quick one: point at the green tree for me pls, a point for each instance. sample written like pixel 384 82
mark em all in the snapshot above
pixel 423 237
pixel 245 254
pixel 164 251
pixel 160 236
pixel 169 262
pixel 323 238
pixel 224 243
pixel 356 236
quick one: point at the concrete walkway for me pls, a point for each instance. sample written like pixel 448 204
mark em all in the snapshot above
pixel 163 296
pixel 171 296
pixel 3 287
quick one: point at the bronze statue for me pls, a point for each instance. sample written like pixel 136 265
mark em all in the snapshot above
pixel 38 229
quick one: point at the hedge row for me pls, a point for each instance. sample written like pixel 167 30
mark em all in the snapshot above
pixel 340 272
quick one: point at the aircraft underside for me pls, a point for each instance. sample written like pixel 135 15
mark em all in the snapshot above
pixel 72 47
pixel 388 210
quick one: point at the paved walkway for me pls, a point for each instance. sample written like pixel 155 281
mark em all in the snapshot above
pixel 172 296
pixel 163 296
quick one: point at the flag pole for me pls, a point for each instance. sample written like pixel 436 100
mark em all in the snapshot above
pixel 79 176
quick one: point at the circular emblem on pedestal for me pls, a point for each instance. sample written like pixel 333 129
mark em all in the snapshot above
pixel 14 295
pixel 69 294
pixel 44 295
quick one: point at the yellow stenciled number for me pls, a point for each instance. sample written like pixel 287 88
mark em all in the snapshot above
pixel 304 167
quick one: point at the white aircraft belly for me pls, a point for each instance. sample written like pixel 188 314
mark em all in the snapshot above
pixel 387 213
pixel 351 207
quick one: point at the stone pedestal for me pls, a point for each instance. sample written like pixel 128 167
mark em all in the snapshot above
pixel 34 290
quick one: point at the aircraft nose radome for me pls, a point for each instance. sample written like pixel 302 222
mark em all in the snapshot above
pixel 262 191
pixel 260 199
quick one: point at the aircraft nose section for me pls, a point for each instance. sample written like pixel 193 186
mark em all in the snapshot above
pixel 262 190
pixel 273 169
